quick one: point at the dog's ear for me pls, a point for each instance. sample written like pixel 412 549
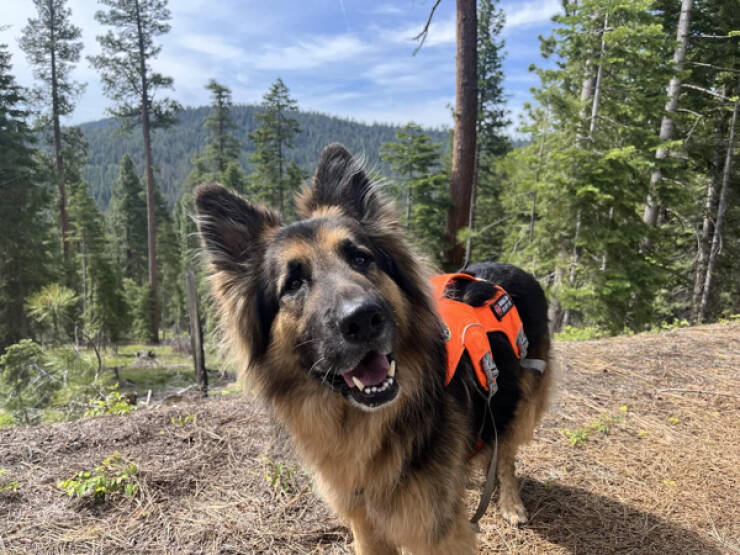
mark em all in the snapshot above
pixel 341 181
pixel 231 228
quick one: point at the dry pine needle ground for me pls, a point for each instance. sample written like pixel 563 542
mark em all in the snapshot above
pixel 640 453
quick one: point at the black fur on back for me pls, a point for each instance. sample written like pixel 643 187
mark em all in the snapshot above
pixel 530 301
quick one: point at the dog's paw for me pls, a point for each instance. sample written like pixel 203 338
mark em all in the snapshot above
pixel 514 513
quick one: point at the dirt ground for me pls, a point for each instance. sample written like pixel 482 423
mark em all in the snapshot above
pixel 640 453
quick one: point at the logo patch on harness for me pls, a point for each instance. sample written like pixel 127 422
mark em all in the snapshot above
pixel 501 306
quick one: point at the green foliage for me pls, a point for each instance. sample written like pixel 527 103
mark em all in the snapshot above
pixel 580 436
pixel 282 477
pixel 114 475
pixel 6 419
pixel 26 382
pixel 26 253
pixel 113 403
pixel 586 333
pixel 140 302
pixel 127 222
pixel 134 25
pixel 183 420
pixel 421 186
pixel 222 148
pixel 6 484
pixel 272 140
pixel 51 309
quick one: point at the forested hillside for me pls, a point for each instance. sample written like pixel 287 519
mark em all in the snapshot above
pixel 177 145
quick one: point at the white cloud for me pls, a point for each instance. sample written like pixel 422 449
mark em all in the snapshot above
pixel 212 45
pixel 441 32
pixel 387 9
pixel 523 14
pixel 310 53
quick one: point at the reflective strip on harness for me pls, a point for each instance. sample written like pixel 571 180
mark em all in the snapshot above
pixel 468 326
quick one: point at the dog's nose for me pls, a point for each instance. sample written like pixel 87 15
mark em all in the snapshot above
pixel 362 322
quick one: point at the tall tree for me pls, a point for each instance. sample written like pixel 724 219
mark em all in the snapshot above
pixel 25 257
pixel 415 161
pixel 52 44
pixel 272 140
pixel 464 139
pixel 650 215
pixel 129 80
pixel 127 222
pixel 492 142
pixel 222 147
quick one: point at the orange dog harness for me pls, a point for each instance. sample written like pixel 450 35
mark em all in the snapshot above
pixel 468 325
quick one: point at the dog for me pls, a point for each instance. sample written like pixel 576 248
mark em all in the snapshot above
pixel 332 320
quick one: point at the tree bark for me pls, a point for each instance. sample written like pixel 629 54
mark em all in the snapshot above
pixel 721 208
pixel 63 220
pixel 151 201
pixel 464 140
pixel 708 220
pixel 650 214
pixel 196 333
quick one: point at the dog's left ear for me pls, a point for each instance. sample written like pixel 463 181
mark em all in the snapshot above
pixel 341 181
pixel 232 229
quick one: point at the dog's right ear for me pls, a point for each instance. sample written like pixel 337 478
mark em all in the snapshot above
pixel 231 228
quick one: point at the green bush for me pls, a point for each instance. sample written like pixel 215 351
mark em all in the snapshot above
pixel 113 403
pixel 6 484
pixel 571 333
pixel 6 419
pixel 114 475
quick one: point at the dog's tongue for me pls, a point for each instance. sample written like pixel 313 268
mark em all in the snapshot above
pixel 372 370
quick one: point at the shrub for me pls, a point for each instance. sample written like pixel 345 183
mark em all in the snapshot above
pixel 114 475
pixel 113 403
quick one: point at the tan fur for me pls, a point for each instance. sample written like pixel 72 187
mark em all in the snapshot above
pixel 358 465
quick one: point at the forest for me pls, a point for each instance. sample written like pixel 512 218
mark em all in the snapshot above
pixel 619 193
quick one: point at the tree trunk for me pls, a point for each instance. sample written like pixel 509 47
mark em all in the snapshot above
pixel 708 221
pixel 63 221
pixel 196 333
pixel 721 208
pixel 650 214
pixel 151 201
pixel 464 140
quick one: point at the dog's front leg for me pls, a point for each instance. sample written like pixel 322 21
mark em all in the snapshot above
pixel 368 540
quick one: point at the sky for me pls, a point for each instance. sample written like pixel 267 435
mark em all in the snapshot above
pixel 349 58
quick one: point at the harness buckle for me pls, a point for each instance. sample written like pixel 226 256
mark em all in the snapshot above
pixel 491 371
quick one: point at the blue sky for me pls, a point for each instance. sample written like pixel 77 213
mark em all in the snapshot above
pixel 350 58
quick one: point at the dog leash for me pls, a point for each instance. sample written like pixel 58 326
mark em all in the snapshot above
pixel 491 370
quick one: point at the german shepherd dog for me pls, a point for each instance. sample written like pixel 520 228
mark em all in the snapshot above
pixel 333 321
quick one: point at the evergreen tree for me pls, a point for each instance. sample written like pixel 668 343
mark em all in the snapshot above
pixel 483 241
pixel 127 222
pixel 25 226
pixel 52 45
pixel 272 140
pixel 222 147
pixel 104 309
pixel 128 79
pixel 421 186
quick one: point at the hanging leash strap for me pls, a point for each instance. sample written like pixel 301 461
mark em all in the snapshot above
pixel 485 496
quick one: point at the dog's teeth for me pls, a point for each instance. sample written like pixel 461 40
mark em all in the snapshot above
pixel 358 383
pixel 392 371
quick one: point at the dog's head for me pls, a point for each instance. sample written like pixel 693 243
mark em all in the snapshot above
pixel 329 301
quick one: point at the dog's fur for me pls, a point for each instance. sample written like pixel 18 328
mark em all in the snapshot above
pixel 396 471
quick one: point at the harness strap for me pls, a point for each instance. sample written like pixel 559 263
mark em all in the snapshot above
pixel 533 364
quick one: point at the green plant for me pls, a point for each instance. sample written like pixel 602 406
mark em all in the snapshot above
pixel 571 333
pixel 182 421
pixel 6 484
pixel 6 419
pixel 113 475
pixel 281 476
pixel 113 403
pixel 577 437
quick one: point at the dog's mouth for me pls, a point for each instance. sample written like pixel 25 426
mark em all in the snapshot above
pixel 373 381
pixel 370 384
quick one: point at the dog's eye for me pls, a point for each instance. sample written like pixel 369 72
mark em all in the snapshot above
pixel 293 285
pixel 360 260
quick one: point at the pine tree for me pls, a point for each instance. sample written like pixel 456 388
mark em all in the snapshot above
pixel 128 79
pixel 25 226
pixel 52 44
pixel 415 161
pixel 483 240
pixel 222 147
pixel 272 140
pixel 104 309
pixel 127 222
